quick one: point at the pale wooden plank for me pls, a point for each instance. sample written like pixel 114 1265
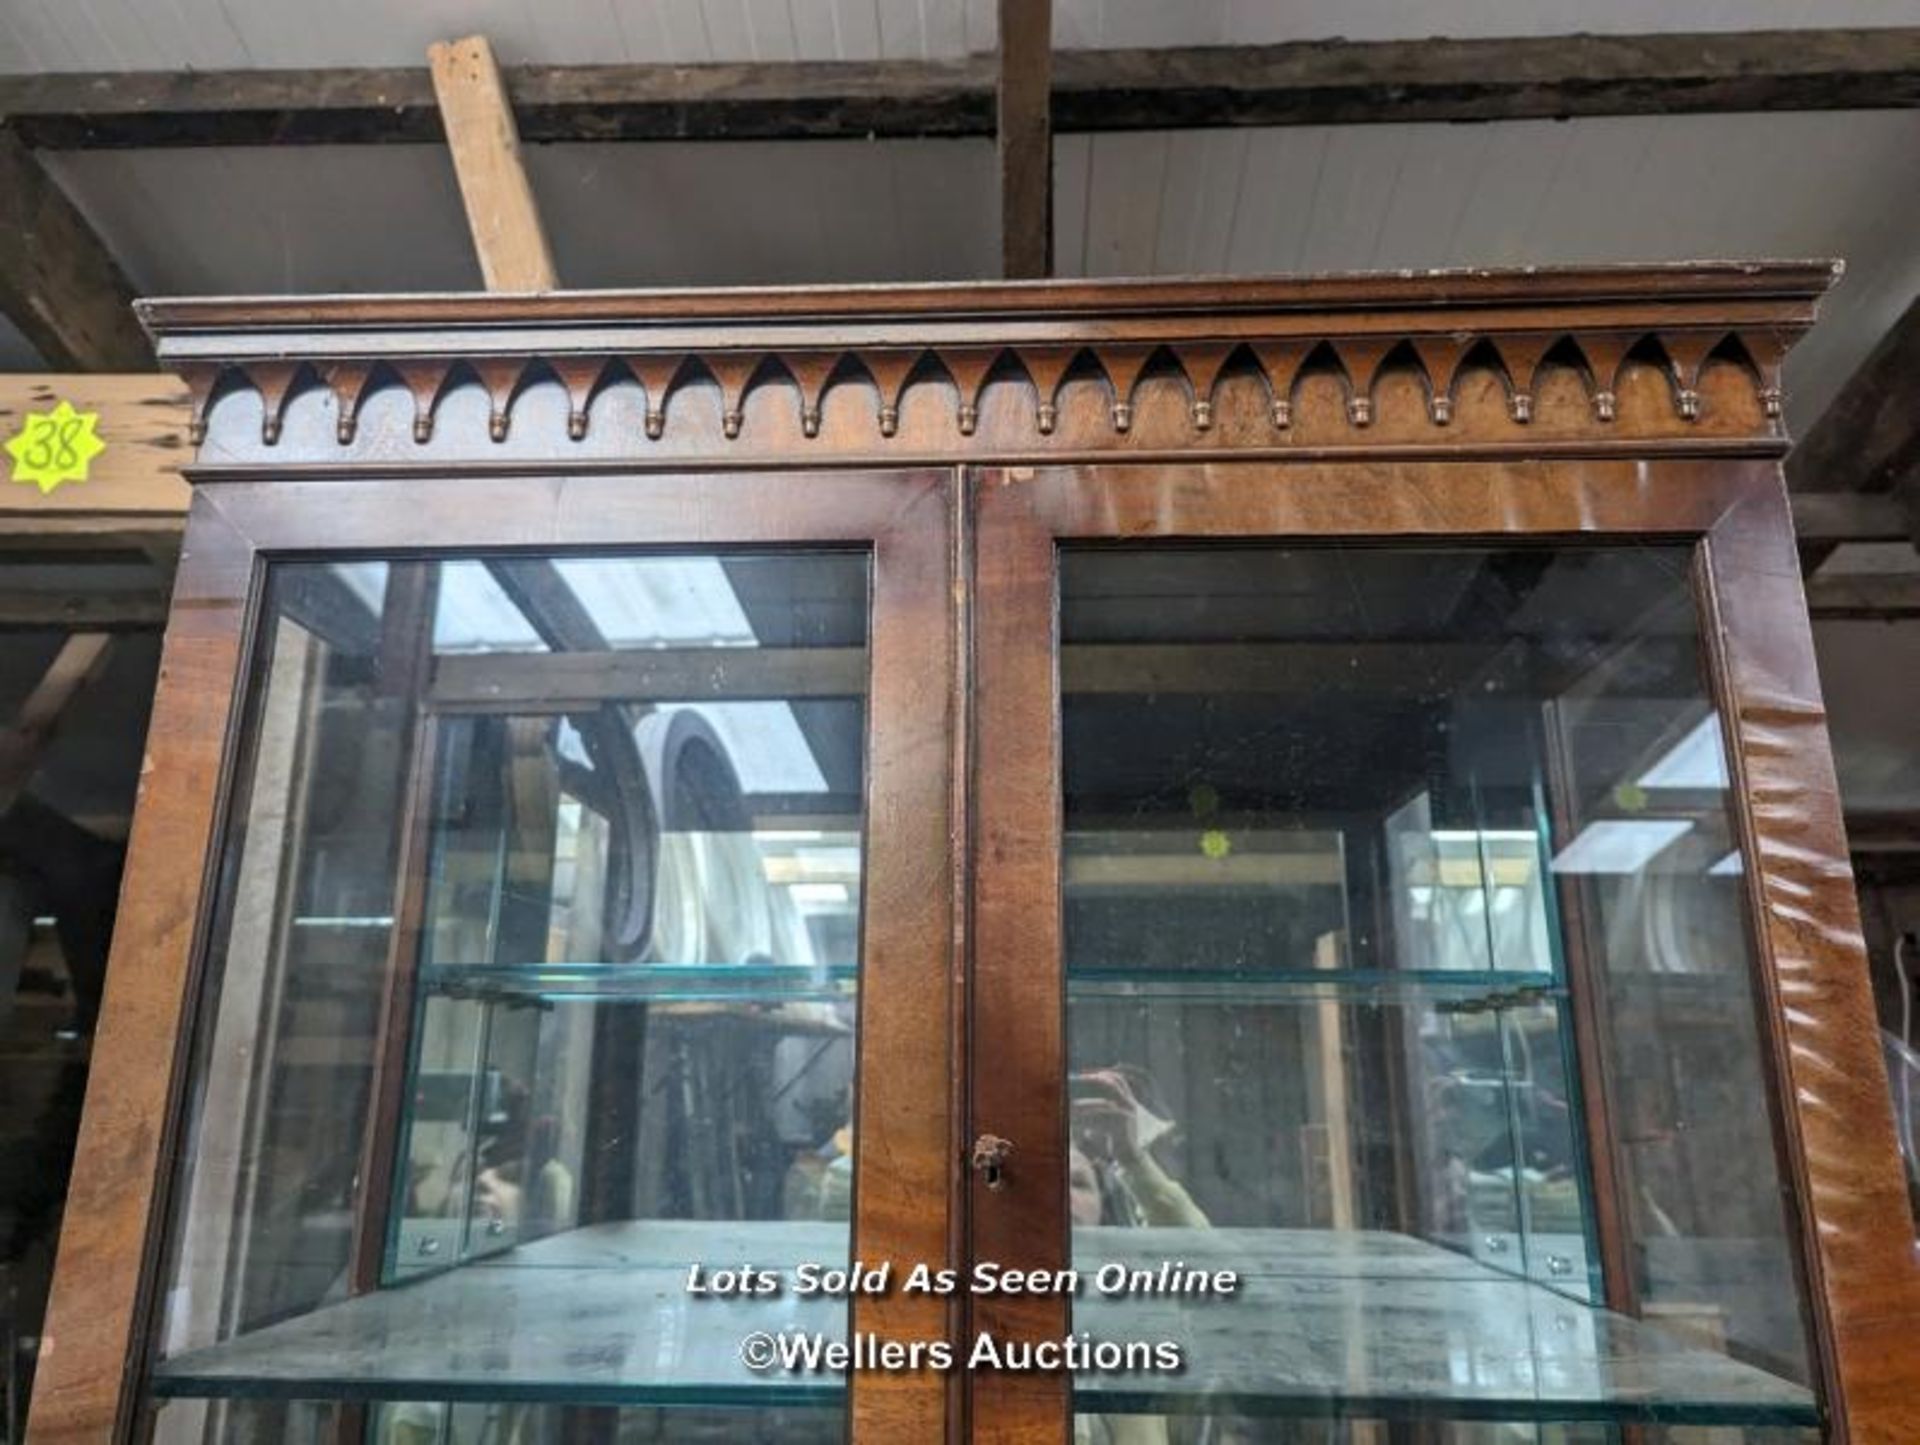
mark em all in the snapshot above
pixel 501 213
pixel 143 421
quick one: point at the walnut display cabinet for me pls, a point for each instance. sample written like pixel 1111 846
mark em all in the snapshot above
pixel 1318 779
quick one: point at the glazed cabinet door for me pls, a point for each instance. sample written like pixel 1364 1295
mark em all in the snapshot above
pixel 1372 1014
pixel 578 926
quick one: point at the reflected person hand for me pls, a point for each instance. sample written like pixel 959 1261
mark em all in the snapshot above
pixel 496 1197
pixel 1109 1120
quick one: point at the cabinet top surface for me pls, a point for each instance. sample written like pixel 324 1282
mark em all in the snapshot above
pixel 1544 286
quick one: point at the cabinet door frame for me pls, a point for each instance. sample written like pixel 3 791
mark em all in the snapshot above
pixel 101 1320
pixel 1829 1099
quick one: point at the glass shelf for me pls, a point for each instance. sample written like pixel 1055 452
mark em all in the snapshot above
pixel 642 982
pixel 600 1315
pixel 1447 988
pixel 755 983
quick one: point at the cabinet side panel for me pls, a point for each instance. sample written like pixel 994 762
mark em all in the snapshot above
pixel 1839 1119
pixel 92 1340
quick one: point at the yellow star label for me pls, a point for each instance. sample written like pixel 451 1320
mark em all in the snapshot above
pixel 53 447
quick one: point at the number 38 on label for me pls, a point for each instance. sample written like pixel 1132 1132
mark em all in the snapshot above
pixel 55 446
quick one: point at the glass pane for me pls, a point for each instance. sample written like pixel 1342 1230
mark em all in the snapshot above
pixel 533 984
pixel 1358 841
pixel 439 1422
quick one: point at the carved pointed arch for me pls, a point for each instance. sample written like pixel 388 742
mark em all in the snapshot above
pixel 1520 357
pixel 811 373
pixel 1606 353
pixel 1440 358
pixel 1281 362
pixel 1323 358
pixel 1047 367
pixel 889 371
pixel 1361 359
pixel 1687 353
pixel 738 373
pixel 1766 350
pixel 659 374
pixel 583 378
pixel 503 379
pixel 1203 363
pixel 969 368
pixel 427 381
pixel 349 381
pixel 1123 364
pixel 277 382
pixel 202 379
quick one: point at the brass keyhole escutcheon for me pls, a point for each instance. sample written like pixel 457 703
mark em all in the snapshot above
pixel 990 1154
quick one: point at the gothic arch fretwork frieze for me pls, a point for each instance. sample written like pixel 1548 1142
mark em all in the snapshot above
pixel 1167 376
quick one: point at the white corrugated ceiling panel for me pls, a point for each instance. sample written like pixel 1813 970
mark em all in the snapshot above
pixel 281 34
pixel 388 218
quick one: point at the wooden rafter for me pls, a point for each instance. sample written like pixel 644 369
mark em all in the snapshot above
pixel 58 281
pixel 119 611
pixel 1865 596
pixel 1025 138
pixel 80 660
pixel 1827 519
pixel 501 213
pixel 1867 442
pixel 1304 83
pixel 1868 439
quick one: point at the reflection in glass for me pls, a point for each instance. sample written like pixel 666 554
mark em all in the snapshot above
pixel 1390 877
pixel 440 1422
pixel 533 983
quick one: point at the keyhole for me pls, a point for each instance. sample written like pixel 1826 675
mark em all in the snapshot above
pixel 990 1153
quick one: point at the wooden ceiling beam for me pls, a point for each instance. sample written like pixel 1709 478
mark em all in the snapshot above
pixel 1864 596
pixel 79 662
pixel 1866 444
pixel 58 281
pixel 485 141
pixel 1827 519
pixel 1868 438
pixel 1024 135
pixel 93 611
pixel 1322 82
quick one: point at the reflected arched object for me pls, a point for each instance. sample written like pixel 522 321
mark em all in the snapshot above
pixel 625 793
pixel 687 764
pixel 712 903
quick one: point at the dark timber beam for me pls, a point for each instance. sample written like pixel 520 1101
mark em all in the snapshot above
pixel 58 282
pixel 1865 596
pixel 1827 519
pixel 1322 82
pixel 1868 438
pixel 1867 442
pixel 1024 130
